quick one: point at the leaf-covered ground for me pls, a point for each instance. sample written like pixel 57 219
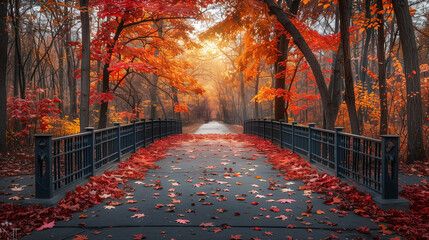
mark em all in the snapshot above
pixel 215 186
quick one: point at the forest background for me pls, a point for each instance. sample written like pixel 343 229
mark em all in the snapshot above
pixel 359 64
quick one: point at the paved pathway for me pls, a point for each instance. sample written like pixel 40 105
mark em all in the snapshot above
pixel 214 205
pixel 213 127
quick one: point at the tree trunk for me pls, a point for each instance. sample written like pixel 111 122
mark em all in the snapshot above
pixel 70 71
pixel 243 98
pixel 279 83
pixel 176 115
pixel 86 66
pixel 256 93
pixel 382 85
pixel 298 39
pixel 19 69
pixel 4 39
pixel 153 89
pixel 348 73
pixel 104 106
pixel 412 75
pixel 61 75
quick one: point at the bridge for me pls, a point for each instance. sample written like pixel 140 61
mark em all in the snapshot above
pixel 213 184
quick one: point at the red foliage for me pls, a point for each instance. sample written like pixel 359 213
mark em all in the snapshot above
pixel 32 111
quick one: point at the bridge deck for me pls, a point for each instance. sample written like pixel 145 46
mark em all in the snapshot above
pixel 196 190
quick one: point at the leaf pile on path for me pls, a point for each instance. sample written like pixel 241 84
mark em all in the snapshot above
pixel 412 225
pixel 34 217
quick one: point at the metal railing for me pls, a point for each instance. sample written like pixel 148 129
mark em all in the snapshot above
pixel 62 161
pixel 370 162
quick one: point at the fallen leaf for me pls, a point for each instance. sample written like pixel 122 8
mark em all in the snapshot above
pixel 284 200
pixel 182 221
pixel 46 226
pixel 80 237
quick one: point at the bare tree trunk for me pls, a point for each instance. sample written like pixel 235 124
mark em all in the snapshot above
pixel 176 115
pixel 61 75
pixel 70 71
pixel 382 85
pixel 242 98
pixel 256 93
pixel 348 74
pixel 86 66
pixel 19 69
pixel 412 75
pixel 153 89
pixel 155 79
pixel 4 40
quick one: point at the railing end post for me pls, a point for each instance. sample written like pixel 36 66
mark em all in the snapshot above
pixel 389 162
pixel 43 165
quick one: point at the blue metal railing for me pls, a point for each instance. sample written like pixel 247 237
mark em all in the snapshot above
pixel 62 161
pixel 370 162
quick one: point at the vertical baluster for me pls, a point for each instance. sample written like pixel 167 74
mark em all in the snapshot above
pixel 310 142
pixel 118 140
pixel 90 156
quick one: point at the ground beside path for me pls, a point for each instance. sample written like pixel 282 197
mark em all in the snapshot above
pixel 213 187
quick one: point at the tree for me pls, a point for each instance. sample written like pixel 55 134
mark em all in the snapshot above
pixel 348 73
pixel 298 39
pixel 412 75
pixel 85 67
pixel 134 41
pixel 4 38
pixel 281 64
pixel 382 84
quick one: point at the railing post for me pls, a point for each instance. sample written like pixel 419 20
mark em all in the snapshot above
pixel 91 148
pixel 134 137
pixel 272 130
pixel 43 168
pixel 293 136
pixel 151 130
pixel 118 136
pixel 310 135
pixel 389 162
pixel 263 128
pixel 339 157
pixel 144 131
pixel 159 128
pixel 180 127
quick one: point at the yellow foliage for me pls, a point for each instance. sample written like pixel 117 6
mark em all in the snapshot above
pixel 63 126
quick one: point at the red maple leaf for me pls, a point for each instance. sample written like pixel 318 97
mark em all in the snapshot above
pixel 235 237
pixel 80 237
pixel 139 236
pixel 46 226
pixel 209 224
pixel 182 221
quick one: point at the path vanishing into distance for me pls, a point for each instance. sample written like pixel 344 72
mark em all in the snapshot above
pixel 213 187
